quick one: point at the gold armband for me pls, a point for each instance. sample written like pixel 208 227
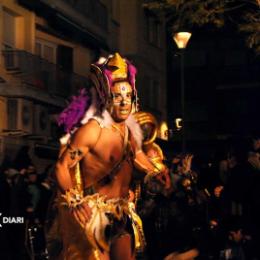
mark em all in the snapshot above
pixel 73 197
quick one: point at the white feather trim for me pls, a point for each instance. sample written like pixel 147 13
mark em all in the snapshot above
pixel 106 120
pixel 133 126
pixel 135 130
pixel 65 139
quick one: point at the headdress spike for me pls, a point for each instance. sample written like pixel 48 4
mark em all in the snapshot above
pixel 118 67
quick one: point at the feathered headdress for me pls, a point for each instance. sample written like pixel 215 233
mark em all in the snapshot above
pixel 106 72
pixel 87 104
pixel 74 112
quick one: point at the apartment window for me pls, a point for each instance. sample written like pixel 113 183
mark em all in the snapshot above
pixel 153 93
pixel 38 49
pixel 93 10
pixel 48 53
pixel 46 50
pixel 8 29
pixel 102 15
pixel 156 93
pixel 235 58
pixel 116 11
pixel 153 30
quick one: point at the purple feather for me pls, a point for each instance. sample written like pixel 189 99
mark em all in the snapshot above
pixel 131 74
pixel 71 115
pixel 108 74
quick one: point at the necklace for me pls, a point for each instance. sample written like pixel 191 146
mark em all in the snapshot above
pixel 119 130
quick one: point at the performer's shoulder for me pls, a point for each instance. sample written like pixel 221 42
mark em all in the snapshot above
pixel 90 129
pixel 91 126
pixel 88 134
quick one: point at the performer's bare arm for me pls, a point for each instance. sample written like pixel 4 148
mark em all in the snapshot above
pixel 143 164
pixel 85 138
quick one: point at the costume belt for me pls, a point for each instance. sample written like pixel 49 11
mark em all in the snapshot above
pixel 101 209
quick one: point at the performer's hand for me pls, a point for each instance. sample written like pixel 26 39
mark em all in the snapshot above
pixel 159 177
pixel 167 179
pixel 164 178
pixel 82 213
pixel 186 163
pixel 131 196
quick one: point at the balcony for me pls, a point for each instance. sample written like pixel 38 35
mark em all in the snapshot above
pixel 86 21
pixel 36 72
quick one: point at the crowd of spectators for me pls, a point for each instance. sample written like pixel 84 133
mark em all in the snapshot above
pixel 211 210
pixel 24 193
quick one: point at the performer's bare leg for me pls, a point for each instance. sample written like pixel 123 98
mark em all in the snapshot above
pixel 121 248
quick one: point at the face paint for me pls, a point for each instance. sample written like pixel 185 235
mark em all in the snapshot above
pixel 122 93
pixel 121 100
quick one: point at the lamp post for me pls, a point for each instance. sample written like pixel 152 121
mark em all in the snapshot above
pixel 181 39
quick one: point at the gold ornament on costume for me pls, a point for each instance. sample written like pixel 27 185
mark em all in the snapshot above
pixel 78 178
pixel 118 67
pixel 157 158
pixel 73 197
pixel 153 151
pixel 148 124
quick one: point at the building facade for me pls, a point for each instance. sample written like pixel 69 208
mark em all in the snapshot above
pixel 47 47
pixel 143 39
pixel 46 52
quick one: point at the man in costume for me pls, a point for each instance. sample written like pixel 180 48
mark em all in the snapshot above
pixel 94 169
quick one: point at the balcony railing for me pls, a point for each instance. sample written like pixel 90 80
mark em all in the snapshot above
pixel 39 73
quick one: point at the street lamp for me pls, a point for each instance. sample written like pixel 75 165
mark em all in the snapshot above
pixel 181 39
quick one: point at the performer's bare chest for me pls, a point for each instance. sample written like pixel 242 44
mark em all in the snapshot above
pixel 107 153
pixel 110 146
pixel 108 150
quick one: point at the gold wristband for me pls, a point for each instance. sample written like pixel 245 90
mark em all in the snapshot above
pixel 73 197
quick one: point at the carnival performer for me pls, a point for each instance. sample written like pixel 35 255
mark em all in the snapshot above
pixel 94 169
